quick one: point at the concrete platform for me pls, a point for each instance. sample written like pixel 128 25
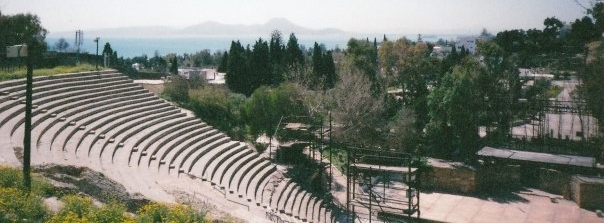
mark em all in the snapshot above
pixel 532 206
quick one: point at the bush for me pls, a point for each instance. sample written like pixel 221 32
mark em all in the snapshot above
pixel 18 206
pixel 76 208
pixel 81 209
pixel 156 212
pixel 219 108
pixel 13 178
pixel 177 89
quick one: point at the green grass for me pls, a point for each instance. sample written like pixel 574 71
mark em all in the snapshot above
pixel 22 72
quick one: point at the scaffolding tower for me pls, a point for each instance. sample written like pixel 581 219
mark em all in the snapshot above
pixel 382 186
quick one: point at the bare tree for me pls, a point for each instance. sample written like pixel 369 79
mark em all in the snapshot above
pixel 356 112
pixel 61 45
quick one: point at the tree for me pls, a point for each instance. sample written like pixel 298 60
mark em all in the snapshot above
pixel 362 55
pixel 23 28
pixel 597 12
pixel 592 87
pixel 294 55
pixel 109 52
pixel 453 127
pixel 260 66
pixel 18 29
pixel 277 58
pixel 61 45
pixel 223 62
pixel 317 65
pixel 329 70
pixel 357 110
pixel 174 65
pixel 582 31
pixel 412 69
pixel 499 86
pixel 237 78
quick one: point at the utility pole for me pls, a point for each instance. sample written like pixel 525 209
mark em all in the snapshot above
pixel 96 59
pixel 28 106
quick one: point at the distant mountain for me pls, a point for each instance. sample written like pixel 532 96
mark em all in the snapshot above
pixel 212 28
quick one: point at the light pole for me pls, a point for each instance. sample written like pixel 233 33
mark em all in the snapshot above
pixel 96 59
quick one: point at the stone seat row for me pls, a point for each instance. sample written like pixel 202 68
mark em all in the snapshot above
pixel 105 115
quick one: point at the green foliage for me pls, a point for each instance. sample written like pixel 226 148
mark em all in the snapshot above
pixel 294 56
pixel 323 68
pixel 21 73
pixel 155 212
pixel 219 108
pixel 223 63
pixel 13 178
pixel 173 65
pixel 23 28
pixel 592 88
pixel 453 127
pixel 15 203
pixel 363 56
pixel 177 89
pixel 237 74
pixel 75 205
pixel 265 107
pixel 112 212
pixel 18 206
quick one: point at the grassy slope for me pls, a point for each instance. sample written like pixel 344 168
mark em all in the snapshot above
pixel 22 72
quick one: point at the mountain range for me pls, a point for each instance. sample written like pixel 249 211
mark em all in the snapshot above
pixel 212 28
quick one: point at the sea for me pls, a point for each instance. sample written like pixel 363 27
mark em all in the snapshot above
pixel 137 46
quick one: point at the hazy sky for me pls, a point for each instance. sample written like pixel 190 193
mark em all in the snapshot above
pixel 379 16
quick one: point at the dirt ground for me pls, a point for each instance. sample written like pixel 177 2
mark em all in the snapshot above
pixel 156 89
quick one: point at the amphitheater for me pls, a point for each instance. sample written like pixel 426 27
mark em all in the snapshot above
pixel 104 121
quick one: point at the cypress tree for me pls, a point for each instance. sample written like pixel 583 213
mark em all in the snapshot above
pixel 222 67
pixel 317 65
pixel 260 66
pixel 294 55
pixel 329 71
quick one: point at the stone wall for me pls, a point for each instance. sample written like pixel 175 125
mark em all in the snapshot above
pixel 499 177
pixel 554 181
pixel 449 177
pixel 587 192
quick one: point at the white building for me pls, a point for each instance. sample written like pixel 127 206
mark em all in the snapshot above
pixel 468 42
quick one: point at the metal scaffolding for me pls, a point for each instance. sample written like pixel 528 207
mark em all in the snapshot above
pixel 381 186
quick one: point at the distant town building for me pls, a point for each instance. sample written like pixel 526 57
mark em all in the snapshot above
pixel 210 75
pixel 535 74
pixel 470 43
pixel 192 73
pixel 137 66
pixel 441 51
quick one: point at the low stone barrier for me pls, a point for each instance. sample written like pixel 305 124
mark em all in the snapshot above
pixel 449 176
pixel 587 191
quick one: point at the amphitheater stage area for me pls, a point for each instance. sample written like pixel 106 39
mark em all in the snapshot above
pixel 106 122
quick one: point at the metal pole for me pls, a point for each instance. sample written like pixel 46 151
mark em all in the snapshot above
pixel 28 107
pixel 330 153
pixel 348 214
pixel 96 59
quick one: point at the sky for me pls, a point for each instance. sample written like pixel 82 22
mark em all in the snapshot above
pixel 361 16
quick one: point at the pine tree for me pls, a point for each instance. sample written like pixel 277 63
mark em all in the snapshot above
pixel 260 66
pixel 277 58
pixel 294 55
pixel 317 65
pixel 237 67
pixel 174 65
pixel 222 67
pixel 329 70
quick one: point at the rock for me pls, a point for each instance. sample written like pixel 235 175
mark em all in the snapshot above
pixel 82 180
